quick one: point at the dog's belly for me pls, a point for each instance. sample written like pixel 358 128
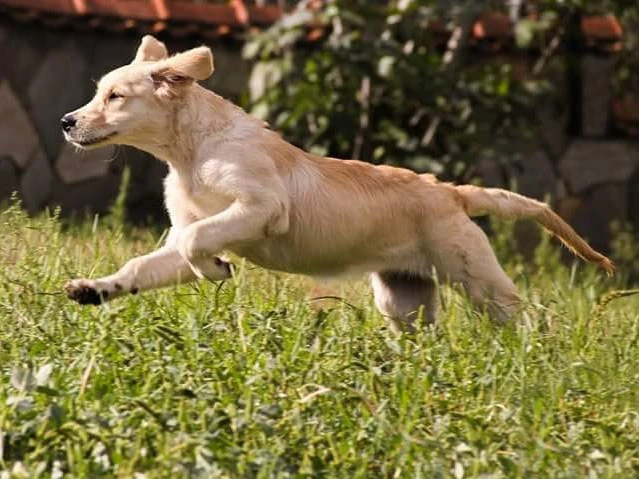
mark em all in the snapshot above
pixel 291 254
pixel 280 256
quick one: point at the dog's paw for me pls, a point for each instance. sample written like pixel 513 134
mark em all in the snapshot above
pixel 84 291
pixel 227 268
pixel 213 269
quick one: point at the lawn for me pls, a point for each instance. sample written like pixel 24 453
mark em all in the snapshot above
pixel 255 378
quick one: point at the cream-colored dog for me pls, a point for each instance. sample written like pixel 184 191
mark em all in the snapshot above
pixel 236 186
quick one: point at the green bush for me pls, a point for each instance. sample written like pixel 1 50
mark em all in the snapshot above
pixel 381 86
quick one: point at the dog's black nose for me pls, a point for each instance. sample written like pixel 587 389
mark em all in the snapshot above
pixel 68 122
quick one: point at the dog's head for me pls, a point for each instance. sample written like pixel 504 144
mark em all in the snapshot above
pixel 130 103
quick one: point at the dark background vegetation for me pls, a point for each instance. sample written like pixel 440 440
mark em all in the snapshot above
pixel 387 84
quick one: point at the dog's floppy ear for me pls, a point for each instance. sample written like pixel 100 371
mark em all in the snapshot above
pixel 150 50
pixel 182 70
pixel 196 64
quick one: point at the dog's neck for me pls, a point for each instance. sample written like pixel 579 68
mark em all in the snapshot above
pixel 191 125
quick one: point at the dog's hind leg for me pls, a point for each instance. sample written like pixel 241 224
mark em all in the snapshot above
pixel 464 256
pixel 401 297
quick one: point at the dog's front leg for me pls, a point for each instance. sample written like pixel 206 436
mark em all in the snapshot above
pixel 239 223
pixel 163 267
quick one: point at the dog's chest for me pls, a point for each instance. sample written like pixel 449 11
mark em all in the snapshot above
pixel 209 203
pixel 194 200
pixel 205 204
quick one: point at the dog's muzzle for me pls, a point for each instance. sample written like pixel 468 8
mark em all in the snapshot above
pixel 68 121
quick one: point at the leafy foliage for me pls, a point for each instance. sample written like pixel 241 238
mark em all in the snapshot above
pixel 383 85
pixel 627 11
pixel 627 81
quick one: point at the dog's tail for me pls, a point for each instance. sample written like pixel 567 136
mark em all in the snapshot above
pixel 507 205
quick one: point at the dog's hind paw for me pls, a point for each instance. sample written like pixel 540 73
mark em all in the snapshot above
pixel 83 291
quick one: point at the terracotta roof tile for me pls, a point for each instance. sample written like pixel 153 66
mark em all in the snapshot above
pixel 493 25
pixel 603 33
pixel 177 18
pixel 491 32
pixel 604 27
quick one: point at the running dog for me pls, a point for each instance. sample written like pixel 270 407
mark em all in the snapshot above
pixel 234 185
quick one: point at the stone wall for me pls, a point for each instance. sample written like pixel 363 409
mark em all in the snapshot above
pixel 47 73
pixel 580 159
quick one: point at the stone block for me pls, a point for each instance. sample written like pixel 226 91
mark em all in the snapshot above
pixel 155 177
pixel 145 205
pixel 21 54
pixel 537 178
pixel 553 129
pixel 74 165
pixel 35 183
pixel 588 163
pixel 139 162
pixel 597 72
pixel 86 197
pixel 146 169
pixel 58 88
pixel 633 200
pixel 491 171
pixel 553 112
pixel 18 137
pixel 8 178
pixel 4 35
pixel 110 51
pixel 531 174
pixel 602 205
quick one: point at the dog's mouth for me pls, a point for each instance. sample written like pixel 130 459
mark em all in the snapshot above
pixel 93 141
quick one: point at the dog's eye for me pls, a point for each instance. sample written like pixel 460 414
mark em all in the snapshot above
pixel 115 96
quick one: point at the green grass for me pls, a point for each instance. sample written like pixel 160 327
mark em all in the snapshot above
pixel 252 379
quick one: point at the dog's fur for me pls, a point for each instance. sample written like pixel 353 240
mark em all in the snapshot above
pixel 235 185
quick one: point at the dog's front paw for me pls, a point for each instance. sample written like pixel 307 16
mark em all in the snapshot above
pixel 213 269
pixel 84 291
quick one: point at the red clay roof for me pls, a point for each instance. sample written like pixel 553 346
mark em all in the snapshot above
pixel 176 17
pixel 604 27
pixel 493 25
pixel 603 32
pixel 181 17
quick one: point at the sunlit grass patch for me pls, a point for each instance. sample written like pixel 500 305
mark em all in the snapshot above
pixel 256 378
